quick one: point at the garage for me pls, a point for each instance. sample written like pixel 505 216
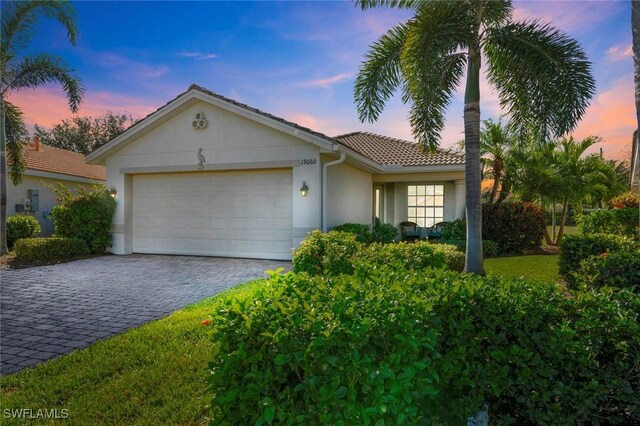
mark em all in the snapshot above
pixel 226 213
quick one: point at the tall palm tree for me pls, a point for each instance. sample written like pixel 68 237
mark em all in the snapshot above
pixel 21 72
pixel 541 75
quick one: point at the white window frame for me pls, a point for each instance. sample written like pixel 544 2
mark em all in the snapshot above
pixel 425 204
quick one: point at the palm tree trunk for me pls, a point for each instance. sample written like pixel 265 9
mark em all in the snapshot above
pixel 547 237
pixel 497 177
pixel 474 257
pixel 563 220
pixel 553 220
pixel 3 182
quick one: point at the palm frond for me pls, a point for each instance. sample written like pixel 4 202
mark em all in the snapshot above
pixel 19 18
pixel 394 4
pixel 379 75
pixel 16 134
pixel 543 77
pixel 38 70
pixel 433 63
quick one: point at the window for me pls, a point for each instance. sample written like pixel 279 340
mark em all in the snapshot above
pixel 425 204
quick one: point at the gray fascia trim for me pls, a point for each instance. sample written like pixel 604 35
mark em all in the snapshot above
pixel 60 176
pixel 212 167
pixel 422 169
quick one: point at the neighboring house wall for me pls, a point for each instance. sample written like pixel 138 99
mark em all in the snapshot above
pixel 18 193
pixel 349 195
pixel 229 142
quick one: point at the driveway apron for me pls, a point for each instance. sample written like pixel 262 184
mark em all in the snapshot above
pixel 53 310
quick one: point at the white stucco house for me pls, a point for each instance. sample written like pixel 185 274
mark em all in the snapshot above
pixel 206 175
pixel 47 166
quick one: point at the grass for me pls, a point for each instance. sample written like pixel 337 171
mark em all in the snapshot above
pixel 537 267
pixel 568 230
pixel 153 374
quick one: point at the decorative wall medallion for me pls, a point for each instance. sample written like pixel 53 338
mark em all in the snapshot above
pixel 201 159
pixel 200 122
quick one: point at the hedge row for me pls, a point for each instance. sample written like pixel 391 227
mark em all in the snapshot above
pixel 378 233
pixel 335 253
pixel 622 221
pixel 432 347
pixel 21 227
pixel 38 250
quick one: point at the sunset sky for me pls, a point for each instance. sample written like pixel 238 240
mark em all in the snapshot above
pixel 297 60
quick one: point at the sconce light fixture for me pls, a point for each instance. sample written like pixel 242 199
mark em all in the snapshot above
pixel 113 191
pixel 304 189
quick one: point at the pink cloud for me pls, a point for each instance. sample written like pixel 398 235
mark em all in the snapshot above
pixel 47 106
pixel 127 68
pixel 326 82
pixel 612 116
pixel 570 16
pixel 617 53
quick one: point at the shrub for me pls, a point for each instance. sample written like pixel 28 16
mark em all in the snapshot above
pixel 616 269
pixel 622 221
pixel 627 200
pixel 383 232
pixel 423 348
pixel 326 253
pixel 575 248
pixel 489 248
pixel 455 231
pixel 21 227
pixel 416 256
pixel 38 250
pixel 362 232
pixel 514 227
pixel 86 215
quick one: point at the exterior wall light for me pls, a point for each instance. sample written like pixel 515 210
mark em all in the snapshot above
pixel 304 189
pixel 113 191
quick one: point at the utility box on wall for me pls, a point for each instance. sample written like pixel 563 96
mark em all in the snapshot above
pixel 34 196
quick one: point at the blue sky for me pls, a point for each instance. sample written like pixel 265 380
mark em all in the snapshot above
pixel 297 60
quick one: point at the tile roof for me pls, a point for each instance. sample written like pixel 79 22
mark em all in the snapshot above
pixel 56 160
pixel 391 151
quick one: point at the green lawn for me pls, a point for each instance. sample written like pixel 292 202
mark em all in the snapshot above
pixel 568 230
pixel 537 267
pixel 153 374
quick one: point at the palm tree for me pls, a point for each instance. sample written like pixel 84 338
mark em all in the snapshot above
pixel 21 72
pixel 541 75
pixel 495 142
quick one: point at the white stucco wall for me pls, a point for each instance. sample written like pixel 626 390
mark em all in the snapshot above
pixel 229 142
pixel 349 195
pixel 16 194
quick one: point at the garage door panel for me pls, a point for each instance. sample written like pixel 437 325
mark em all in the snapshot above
pixel 239 214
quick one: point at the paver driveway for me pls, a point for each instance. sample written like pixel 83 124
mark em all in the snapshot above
pixel 51 310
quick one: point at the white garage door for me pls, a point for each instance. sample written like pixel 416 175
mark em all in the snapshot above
pixel 235 214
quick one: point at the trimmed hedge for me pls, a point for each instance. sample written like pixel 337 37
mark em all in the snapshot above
pixel 617 269
pixel 335 253
pixel 396 347
pixel 512 228
pixel 489 248
pixel 615 221
pixel 39 250
pixel 21 227
pixel 86 215
pixel 575 248
pixel 380 232
pixel 515 227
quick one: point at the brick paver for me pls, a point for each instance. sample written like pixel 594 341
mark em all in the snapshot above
pixel 52 310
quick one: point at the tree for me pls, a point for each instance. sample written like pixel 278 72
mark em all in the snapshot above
pixel 84 134
pixel 541 75
pixel 20 72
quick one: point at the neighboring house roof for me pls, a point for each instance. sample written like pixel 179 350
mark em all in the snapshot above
pixel 381 150
pixel 392 151
pixel 49 159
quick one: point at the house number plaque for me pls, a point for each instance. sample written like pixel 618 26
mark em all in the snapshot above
pixel 306 161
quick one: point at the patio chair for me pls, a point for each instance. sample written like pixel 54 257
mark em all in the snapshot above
pixel 435 232
pixel 411 231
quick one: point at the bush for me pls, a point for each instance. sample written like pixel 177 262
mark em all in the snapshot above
pixel 362 232
pixel 627 200
pixel 21 227
pixel 617 221
pixel 416 256
pixel 423 348
pixel 514 227
pixel 575 248
pixel 617 269
pixel 39 250
pixel 380 232
pixel 383 232
pixel 455 231
pixel 489 248
pixel 326 253
pixel 86 216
